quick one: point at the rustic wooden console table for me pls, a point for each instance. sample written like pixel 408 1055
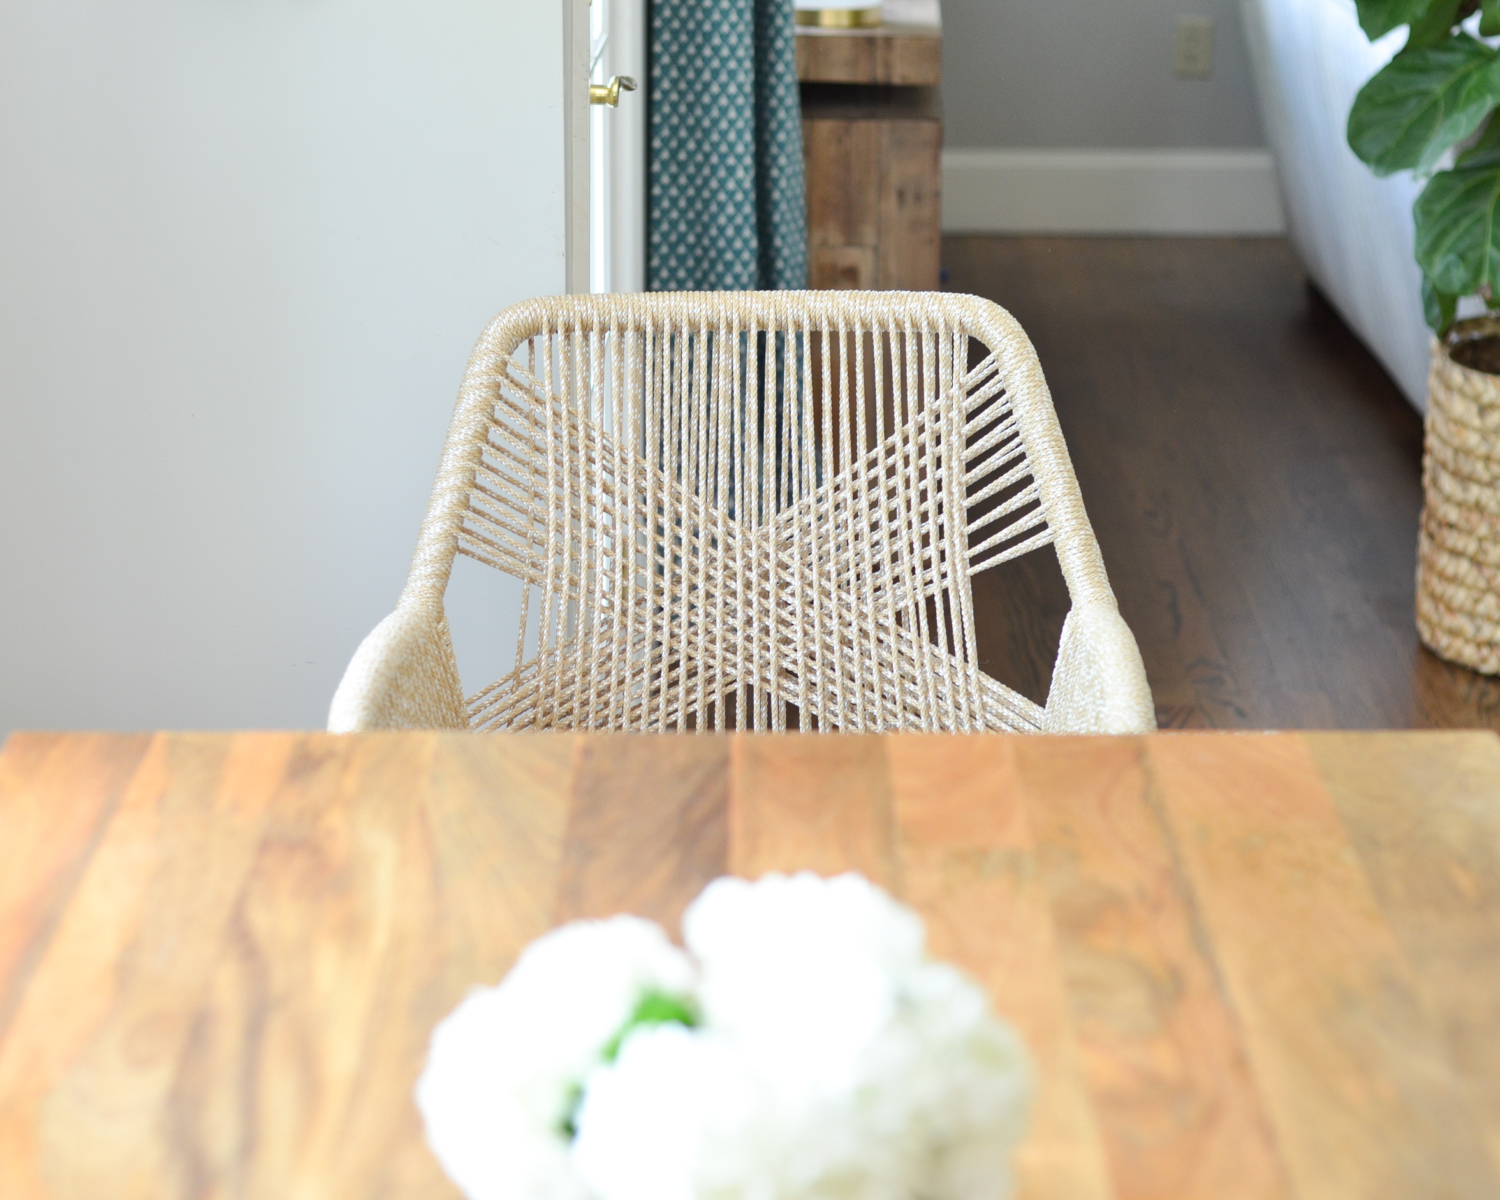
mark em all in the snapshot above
pixel 873 132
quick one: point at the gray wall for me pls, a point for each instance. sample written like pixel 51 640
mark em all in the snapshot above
pixel 1091 74
pixel 245 250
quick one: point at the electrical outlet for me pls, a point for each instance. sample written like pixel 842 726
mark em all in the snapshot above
pixel 1195 47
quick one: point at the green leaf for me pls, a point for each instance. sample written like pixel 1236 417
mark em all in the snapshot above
pixel 1438 307
pixel 567 1124
pixel 1435 26
pixel 1485 151
pixel 1489 18
pixel 1458 229
pixel 1378 17
pixel 1422 102
pixel 653 1008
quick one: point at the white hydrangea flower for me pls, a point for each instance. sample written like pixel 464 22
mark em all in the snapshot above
pixel 943 1089
pixel 677 1116
pixel 504 1068
pixel 802 968
pixel 834 1062
pixel 831 1060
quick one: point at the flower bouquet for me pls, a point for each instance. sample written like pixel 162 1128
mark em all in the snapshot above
pixel 801 1047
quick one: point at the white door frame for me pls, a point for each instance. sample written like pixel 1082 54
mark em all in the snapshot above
pixel 576 141
pixel 605 148
pixel 617 260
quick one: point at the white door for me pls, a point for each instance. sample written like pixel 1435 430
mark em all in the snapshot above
pixel 617 149
pixel 245 250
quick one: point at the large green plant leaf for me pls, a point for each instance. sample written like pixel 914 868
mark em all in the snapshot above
pixel 1422 102
pixel 1378 17
pixel 1489 18
pixel 1438 307
pixel 1458 229
pixel 1435 26
pixel 1485 152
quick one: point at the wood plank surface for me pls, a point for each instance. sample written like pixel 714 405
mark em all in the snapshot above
pixel 873 197
pixel 910 247
pixel 88 1058
pixel 49 843
pixel 969 866
pixel 883 56
pixel 648 827
pixel 841 268
pixel 1253 966
pixel 813 804
pixel 843 183
pixel 1160 1048
pixel 1423 814
pixel 1362 1094
pixel 303 1009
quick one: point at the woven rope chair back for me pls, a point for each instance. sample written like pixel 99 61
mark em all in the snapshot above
pixel 752 511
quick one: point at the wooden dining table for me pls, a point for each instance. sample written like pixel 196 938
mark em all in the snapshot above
pixel 1256 965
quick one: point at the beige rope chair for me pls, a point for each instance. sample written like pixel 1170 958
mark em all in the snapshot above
pixel 750 510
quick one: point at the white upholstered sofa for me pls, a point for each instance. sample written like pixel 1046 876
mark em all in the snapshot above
pixel 1353 231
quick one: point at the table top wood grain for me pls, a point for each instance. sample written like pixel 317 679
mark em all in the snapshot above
pixel 1246 966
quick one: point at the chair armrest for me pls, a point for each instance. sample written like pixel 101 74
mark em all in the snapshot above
pixel 1099 682
pixel 403 676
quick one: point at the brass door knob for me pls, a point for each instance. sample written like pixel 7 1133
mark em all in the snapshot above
pixel 609 93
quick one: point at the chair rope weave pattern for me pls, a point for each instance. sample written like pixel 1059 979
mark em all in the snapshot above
pixel 749 511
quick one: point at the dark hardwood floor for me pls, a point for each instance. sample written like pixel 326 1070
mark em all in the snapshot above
pixel 1252 474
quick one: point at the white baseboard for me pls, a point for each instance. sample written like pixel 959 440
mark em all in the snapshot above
pixel 1185 192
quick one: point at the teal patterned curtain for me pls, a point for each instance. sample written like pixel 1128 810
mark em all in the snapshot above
pixel 727 206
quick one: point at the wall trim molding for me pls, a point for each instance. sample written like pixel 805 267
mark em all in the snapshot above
pixel 1183 192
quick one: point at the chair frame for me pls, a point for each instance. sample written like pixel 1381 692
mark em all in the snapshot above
pixel 850 591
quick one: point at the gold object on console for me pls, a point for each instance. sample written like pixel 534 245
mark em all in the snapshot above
pixel 841 18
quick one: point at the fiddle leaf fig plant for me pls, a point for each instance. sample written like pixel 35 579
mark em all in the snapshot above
pixel 1430 110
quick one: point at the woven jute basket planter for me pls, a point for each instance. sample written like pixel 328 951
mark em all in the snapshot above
pixel 1458 547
